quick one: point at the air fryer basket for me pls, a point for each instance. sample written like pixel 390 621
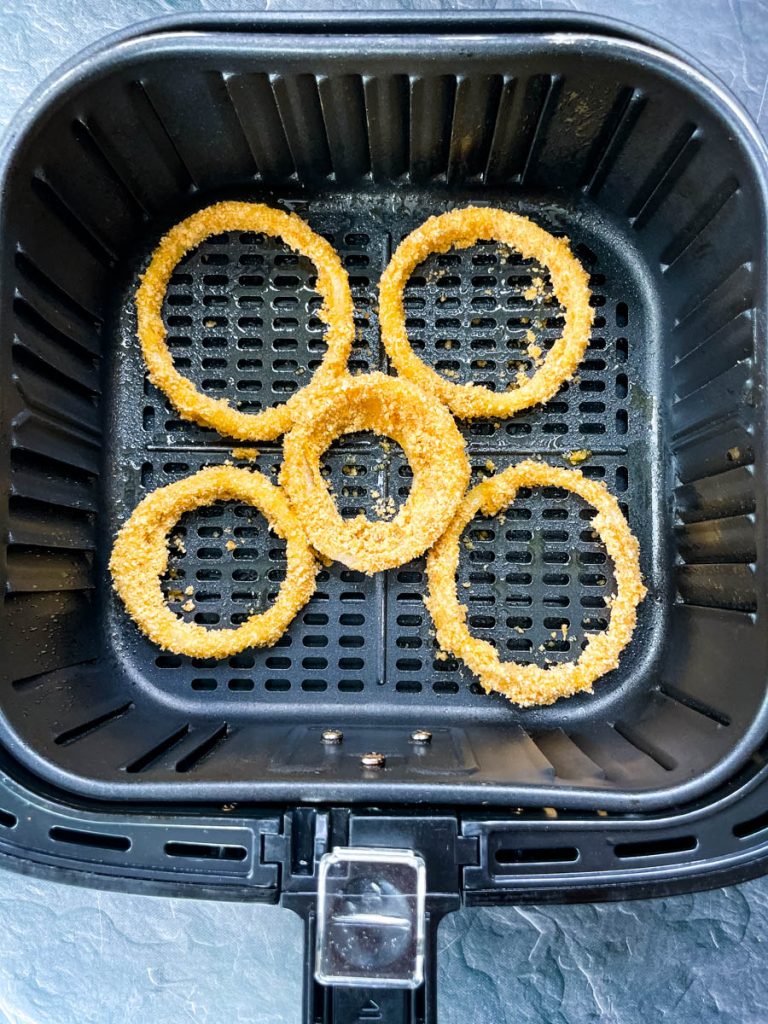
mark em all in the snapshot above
pixel 654 178
pixel 658 782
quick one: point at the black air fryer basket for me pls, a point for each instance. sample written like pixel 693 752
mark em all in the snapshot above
pixel 129 767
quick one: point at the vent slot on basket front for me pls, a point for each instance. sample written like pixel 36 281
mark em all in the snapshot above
pixel 205 851
pixel 655 847
pixel 94 840
pixel 513 857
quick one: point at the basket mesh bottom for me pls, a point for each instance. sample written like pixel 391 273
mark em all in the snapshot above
pixel 241 316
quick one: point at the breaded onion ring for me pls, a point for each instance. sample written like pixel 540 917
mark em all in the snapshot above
pixel 336 311
pixel 461 229
pixel 432 444
pixel 529 685
pixel 140 557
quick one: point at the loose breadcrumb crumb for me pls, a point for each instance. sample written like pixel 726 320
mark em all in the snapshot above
pixel 577 457
pixel 246 454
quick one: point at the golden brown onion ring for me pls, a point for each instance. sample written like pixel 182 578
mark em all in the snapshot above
pixel 461 229
pixel 336 312
pixel 140 557
pixel 432 444
pixel 529 685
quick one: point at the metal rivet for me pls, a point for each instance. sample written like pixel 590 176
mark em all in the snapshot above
pixel 373 760
pixel 332 736
pixel 421 736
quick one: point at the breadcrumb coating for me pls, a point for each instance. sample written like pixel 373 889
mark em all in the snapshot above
pixel 140 558
pixel 530 685
pixel 336 312
pixel 461 229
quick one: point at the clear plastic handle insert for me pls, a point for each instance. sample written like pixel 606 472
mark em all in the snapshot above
pixel 370 918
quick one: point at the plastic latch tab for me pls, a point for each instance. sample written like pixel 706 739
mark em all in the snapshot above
pixel 371 918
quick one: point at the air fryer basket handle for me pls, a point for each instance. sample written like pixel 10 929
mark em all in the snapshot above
pixel 344 1005
pixel 417 864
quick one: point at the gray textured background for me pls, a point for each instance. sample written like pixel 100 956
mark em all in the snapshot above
pixel 72 956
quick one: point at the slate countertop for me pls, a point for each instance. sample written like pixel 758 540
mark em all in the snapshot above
pixel 75 956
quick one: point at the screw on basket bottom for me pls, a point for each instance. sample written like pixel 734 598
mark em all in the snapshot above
pixel 421 736
pixel 332 736
pixel 373 760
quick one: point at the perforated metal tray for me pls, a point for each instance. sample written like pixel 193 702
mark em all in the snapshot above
pixel 241 315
